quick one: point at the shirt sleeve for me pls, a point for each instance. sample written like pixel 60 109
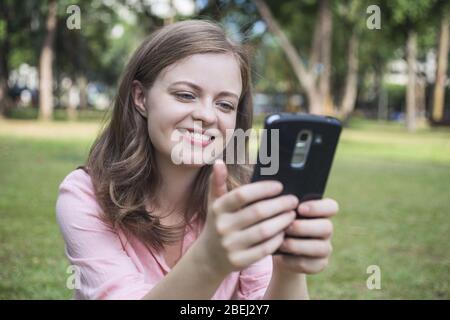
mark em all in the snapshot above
pixel 254 280
pixel 94 250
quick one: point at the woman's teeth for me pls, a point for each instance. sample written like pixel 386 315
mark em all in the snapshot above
pixel 198 136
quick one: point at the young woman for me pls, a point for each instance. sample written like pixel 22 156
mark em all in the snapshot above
pixel 138 223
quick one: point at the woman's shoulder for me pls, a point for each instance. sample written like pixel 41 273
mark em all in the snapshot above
pixel 78 178
pixel 76 194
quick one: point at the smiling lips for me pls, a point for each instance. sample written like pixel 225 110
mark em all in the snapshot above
pixel 196 137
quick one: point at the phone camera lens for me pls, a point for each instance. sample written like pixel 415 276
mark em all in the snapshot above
pixel 303 137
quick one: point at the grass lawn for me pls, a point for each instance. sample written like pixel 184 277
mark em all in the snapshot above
pixel 393 189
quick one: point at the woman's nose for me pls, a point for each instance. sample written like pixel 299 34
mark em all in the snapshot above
pixel 205 112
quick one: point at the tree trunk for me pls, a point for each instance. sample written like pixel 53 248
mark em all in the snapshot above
pixel 45 66
pixel 326 24
pixel 351 82
pixel 441 71
pixel 73 100
pixel 315 101
pixel 383 98
pixel 421 84
pixel 82 84
pixel 171 18
pixel 411 49
pixel 306 78
pixel 5 101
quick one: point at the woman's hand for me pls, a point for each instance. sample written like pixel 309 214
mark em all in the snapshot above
pixel 242 226
pixel 311 254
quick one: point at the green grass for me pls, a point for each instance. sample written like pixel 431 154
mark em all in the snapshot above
pixel 59 114
pixel 393 188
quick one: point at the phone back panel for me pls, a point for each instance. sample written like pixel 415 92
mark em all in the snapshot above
pixel 307 182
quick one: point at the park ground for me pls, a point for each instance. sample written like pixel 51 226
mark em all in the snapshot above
pixel 393 188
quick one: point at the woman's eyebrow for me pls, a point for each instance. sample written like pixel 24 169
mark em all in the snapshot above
pixel 199 89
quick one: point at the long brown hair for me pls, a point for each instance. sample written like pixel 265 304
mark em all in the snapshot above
pixel 121 161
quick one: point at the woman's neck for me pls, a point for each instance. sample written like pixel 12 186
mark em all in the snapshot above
pixel 176 184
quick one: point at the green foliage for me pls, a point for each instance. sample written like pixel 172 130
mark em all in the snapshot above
pixel 272 72
pixel 94 53
pixel 404 12
pixel 19 25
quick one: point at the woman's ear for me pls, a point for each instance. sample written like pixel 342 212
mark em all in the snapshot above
pixel 138 94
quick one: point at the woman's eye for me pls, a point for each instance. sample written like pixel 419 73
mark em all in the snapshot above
pixel 226 106
pixel 184 96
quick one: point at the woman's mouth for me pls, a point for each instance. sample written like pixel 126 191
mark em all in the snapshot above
pixel 197 138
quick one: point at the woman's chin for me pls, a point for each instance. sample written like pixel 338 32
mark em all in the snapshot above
pixel 193 166
pixel 194 162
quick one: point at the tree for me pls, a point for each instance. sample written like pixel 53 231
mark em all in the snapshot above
pixel 17 42
pixel 5 100
pixel 88 53
pixel 45 65
pixel 349 13
pixel 315 76
pixel 442 65
pixel 411 58
pixel 409 20
pixel 351 81
pixel 316 86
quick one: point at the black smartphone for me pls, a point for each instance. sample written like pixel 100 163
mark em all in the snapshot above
pixel 297 150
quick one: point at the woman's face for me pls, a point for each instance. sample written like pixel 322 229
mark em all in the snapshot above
pixel 191 107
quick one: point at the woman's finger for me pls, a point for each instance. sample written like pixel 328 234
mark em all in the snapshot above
pixel 307 247
pixel 311 228
pixel 258 233
pixel 246 194
pixel 322 208
pixel 255 253
pixel 255 213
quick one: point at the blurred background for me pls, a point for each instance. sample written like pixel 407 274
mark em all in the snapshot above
pixel 379 66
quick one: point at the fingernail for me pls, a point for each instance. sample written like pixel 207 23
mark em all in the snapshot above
pixel 304 208
pixel 293 214
pixel 294 199
pixel 279 185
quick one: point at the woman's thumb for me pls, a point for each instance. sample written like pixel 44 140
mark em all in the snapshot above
pixel 218 180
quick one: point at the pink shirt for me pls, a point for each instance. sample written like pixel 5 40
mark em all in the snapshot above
pixel 113 266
